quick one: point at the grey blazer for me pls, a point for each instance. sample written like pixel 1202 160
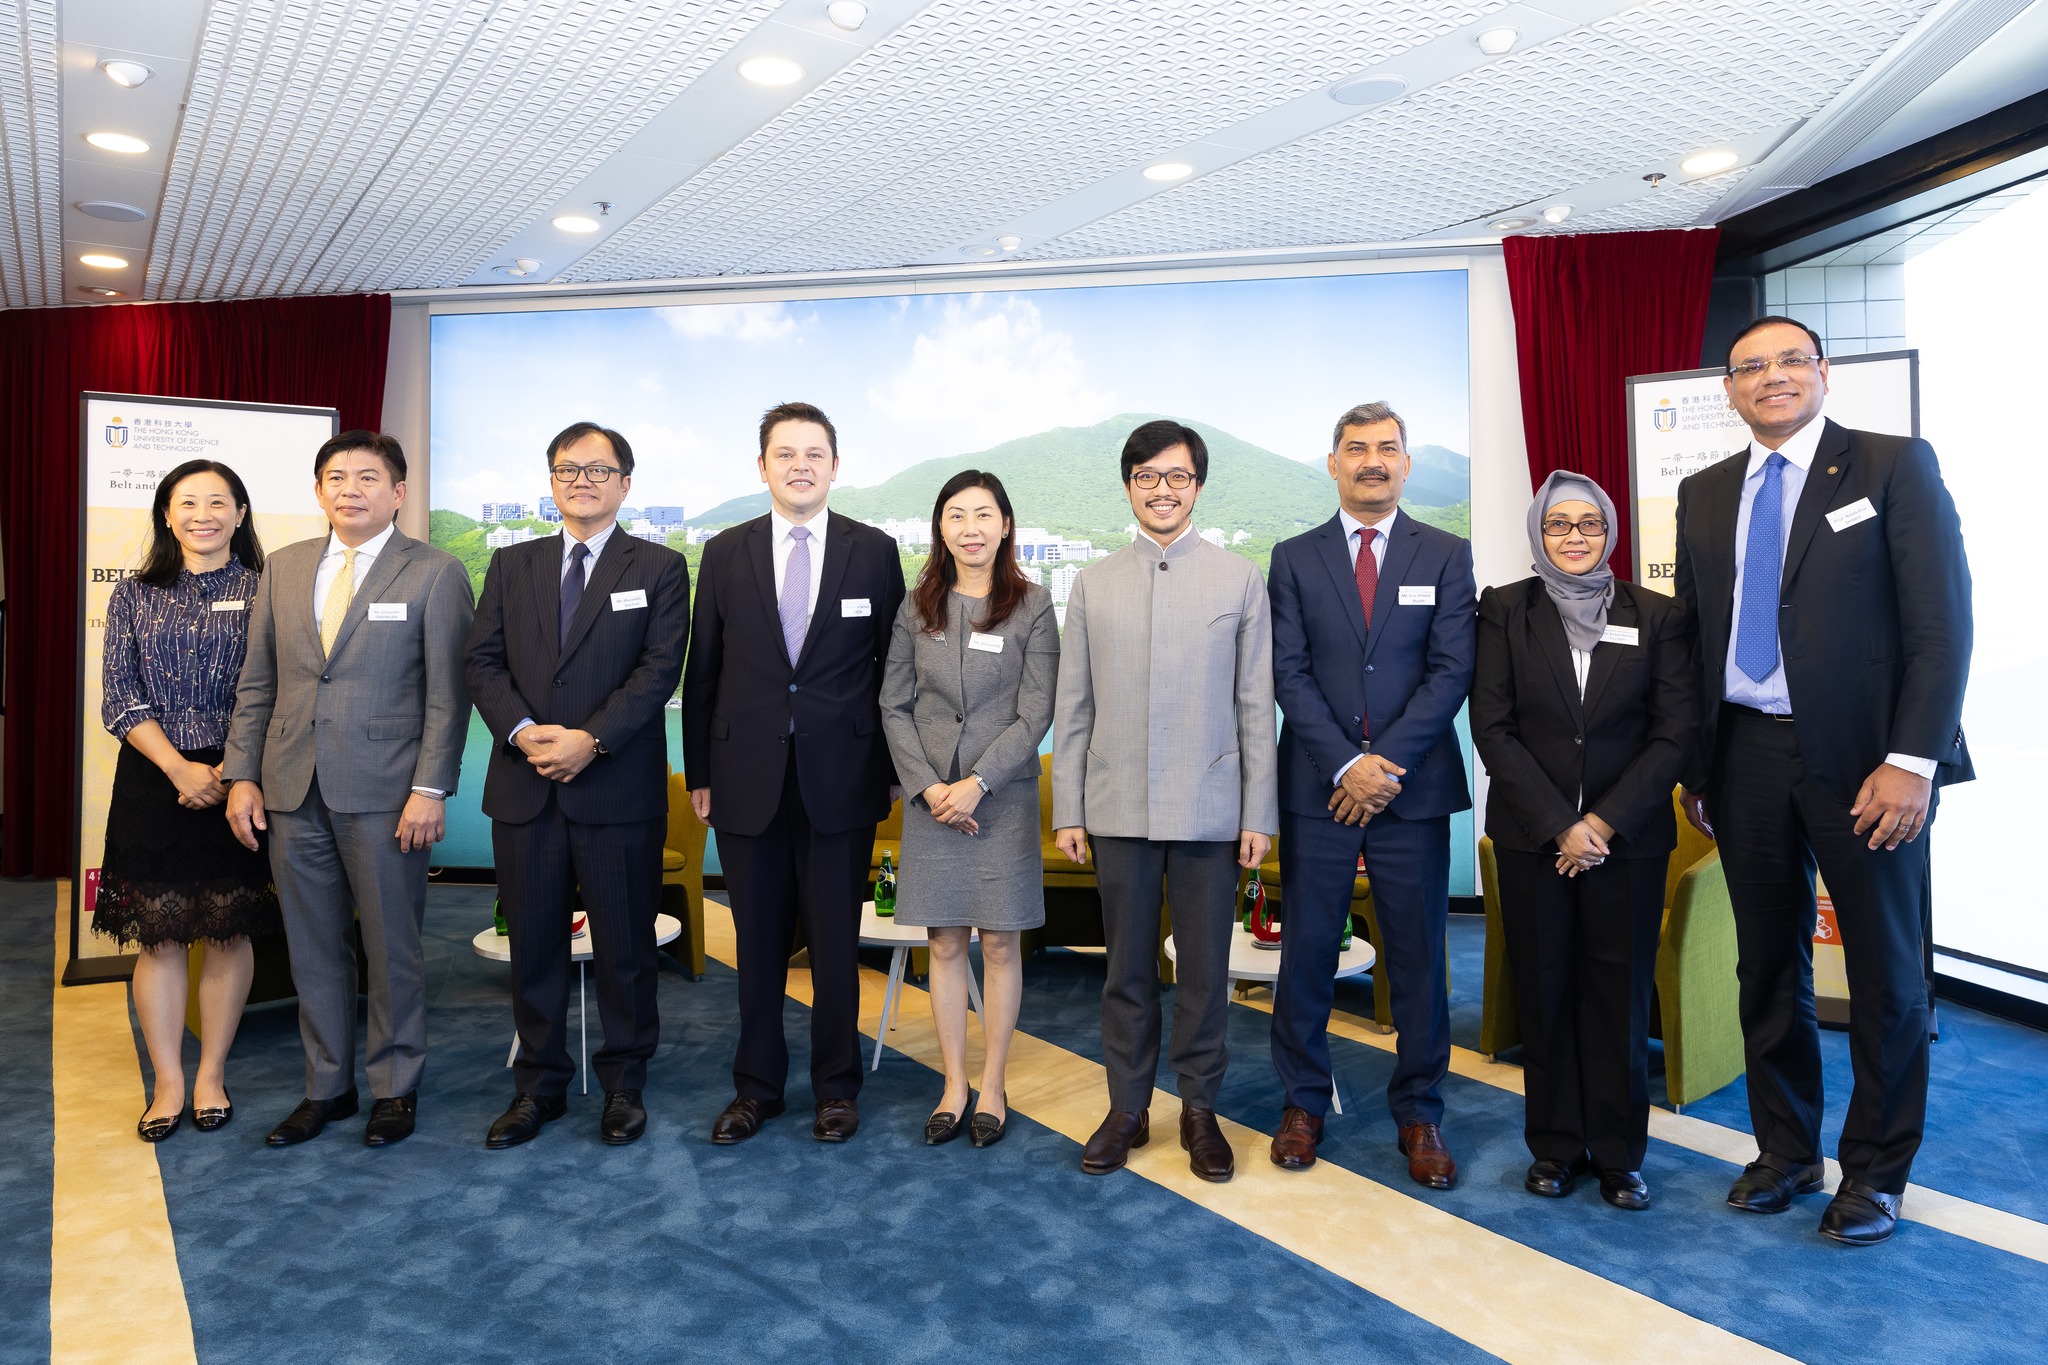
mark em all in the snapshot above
pixel 1164 728
pixel 990 710
pixel 385 713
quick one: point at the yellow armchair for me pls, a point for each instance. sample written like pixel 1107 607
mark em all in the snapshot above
pixel 682 875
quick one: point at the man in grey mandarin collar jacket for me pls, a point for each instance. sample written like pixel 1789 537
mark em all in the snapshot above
pixel 347 736
pixel 1164 753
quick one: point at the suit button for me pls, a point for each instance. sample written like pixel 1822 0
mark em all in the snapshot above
pixel 792 687
pixel 1368 668
pixel 959 718
pixel 325 678
pixel 558 682
pixel 1578 739
pixel 1162 568
pixel 1357 721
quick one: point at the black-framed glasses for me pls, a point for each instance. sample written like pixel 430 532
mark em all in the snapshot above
pixel 596 473
pixel 1792 362
pixel 1557 527
pixel 1150 478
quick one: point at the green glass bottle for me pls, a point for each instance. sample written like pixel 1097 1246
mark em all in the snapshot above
pixel 885 888
pixel 498 918
pixel 1248 903
pixel 1344 945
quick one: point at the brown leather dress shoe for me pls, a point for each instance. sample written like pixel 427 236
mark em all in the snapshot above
pixel 1429 1161
pixel 837 1120
pixel 1294 1146
pixel 742 1119
pixel 1111 1146
pixel 1209 1154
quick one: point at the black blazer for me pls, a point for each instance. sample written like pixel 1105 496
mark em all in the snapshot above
pixel 1873 620
pixel 741 690
pixel 1622 746
pixel 613 677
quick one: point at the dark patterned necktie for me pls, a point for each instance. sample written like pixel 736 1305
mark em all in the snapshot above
pixel 572 588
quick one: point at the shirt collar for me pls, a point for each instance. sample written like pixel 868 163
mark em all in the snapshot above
pixel 782 525
pixel 596 542
pixel 1352 525
pixel 1173 549
pixel 1799 448
pixel 369 549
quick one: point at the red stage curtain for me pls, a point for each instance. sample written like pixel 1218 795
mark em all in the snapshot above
pixel 326 352
pixel 1591 310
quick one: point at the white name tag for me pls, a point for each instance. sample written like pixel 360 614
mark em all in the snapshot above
pixel 231 606
pixel 1842 518
pixel 1620 635
pixel 1418 597
pixel 627 601
pixel 387 611
pixel 855 606
pixel 987 644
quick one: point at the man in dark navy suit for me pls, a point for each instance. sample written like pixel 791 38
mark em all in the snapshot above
pixel 575 652
pixel 1824 568
pixel 785 757
pixel 1373 632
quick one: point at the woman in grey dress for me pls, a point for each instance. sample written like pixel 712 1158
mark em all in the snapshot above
pixel 966 700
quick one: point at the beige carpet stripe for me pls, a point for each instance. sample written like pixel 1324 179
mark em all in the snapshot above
pixel 1489 1290
pixel 115 1291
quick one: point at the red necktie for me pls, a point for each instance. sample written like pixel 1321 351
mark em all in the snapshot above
pixel 1368 571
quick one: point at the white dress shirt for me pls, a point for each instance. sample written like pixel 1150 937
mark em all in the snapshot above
pixel 783 544
pixel 569 543
pixel 1352 540
pixel 1773 694
pixel 323 579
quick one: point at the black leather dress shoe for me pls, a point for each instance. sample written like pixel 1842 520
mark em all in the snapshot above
pixel 625 1118
pixel 1625 1190
pixel 1860 1216
pixel 1770 1184
pixel 1209 1154
pixel 391 1119
pixel 837 1121
pixel 306 1121
pixel 156 1130
pixel 742 1119
pixel 522 1120
pixel 1554 1179
pixel 206 1120
pixel 1120 1132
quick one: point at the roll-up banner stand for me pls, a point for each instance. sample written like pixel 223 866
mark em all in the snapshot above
pixel 1679 424
pixel 129 443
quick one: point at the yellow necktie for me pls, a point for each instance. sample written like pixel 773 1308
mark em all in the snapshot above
pixel 339 594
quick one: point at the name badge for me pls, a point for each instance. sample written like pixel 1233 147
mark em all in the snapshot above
pixel 231 606
pixel 387 611
pixel 628 601
pixel 987 644
pixel 1620 635
pixel 1424 596
pixel 855 606
pixel 1842 518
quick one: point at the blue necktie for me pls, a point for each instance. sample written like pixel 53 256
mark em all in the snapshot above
pixel 1763 563
pixel 572 588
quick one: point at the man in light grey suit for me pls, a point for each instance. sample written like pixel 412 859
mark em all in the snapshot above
pixel 1164 752
pixel 347 736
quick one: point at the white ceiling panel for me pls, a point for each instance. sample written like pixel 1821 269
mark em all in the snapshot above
pixel 31 148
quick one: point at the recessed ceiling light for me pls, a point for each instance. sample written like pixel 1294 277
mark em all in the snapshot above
pixel 100 260
pixel 1510 224
pixel 525 265
pixel 1707 163
pixel 977 250
pixel 1366 90
pixel 1169 170
pixel 847 14
pixel 1557 213
pixel 111 210
pixel 99 291
pixel 118 142
pixel 771 71
pixel 1495 42
pixel 126 74
pixel 576 222
pixel 1009 241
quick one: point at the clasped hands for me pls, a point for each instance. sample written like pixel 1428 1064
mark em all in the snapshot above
pixel 1583 846
pixel 555 751
pixel 199 785
pixel 952 804
pixel 1367 787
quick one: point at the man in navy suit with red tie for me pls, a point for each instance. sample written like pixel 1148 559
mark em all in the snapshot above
pixel 1373 636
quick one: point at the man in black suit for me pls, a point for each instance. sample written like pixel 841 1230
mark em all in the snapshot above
pixel 1824 568
pixel 785 757
pixel 576 650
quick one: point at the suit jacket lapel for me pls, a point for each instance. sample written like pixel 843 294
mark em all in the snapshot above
pixel 610 567
pixel 1608 657
pixel 1401 547
pixel 761 554
pixel 384 569
pixel 1336 556
pixel 1723 489
pixel 300 592
pixel 1830 467
pixel 1556 648
pixel 544 563
pixel 838 551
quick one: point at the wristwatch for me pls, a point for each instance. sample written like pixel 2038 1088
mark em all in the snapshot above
pixel 597 747
pixel 979 783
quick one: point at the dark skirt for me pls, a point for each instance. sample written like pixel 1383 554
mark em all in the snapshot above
pixel 174 875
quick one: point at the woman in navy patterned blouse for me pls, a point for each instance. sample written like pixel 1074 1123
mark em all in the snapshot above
pixel 173 874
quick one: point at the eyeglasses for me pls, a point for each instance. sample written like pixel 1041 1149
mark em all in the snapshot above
pixel 1151 478
pixel 596 473
pixel 1590 527
pixel 1792 363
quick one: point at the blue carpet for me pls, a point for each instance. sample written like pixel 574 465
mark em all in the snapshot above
pixel 27 910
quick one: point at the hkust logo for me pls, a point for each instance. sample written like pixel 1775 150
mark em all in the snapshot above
pixel 117 434
pixel 1664 416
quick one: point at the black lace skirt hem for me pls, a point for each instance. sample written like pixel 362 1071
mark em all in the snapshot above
pixel 152 914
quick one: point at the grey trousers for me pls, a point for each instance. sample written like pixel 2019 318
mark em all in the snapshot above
pixel 332 869
pixel 1200 883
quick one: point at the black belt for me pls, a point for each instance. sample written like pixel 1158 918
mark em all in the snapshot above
pixel 1752 711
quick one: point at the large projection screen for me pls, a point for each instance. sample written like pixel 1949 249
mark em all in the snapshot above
pixel 130 443
pixel 1038 382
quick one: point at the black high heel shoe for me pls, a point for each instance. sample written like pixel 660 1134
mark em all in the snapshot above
pixel 156 1130
pixel 986 1130
pixel 206 1120
pixel 942 1127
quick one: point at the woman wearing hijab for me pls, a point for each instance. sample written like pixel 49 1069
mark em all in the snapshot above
pixel 1582 704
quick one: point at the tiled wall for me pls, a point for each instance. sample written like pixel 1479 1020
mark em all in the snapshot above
pixel 1856 308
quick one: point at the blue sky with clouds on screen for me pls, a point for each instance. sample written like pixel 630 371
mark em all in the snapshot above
pixel 914 377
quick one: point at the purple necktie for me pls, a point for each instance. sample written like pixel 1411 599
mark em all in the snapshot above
pixel 796 593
